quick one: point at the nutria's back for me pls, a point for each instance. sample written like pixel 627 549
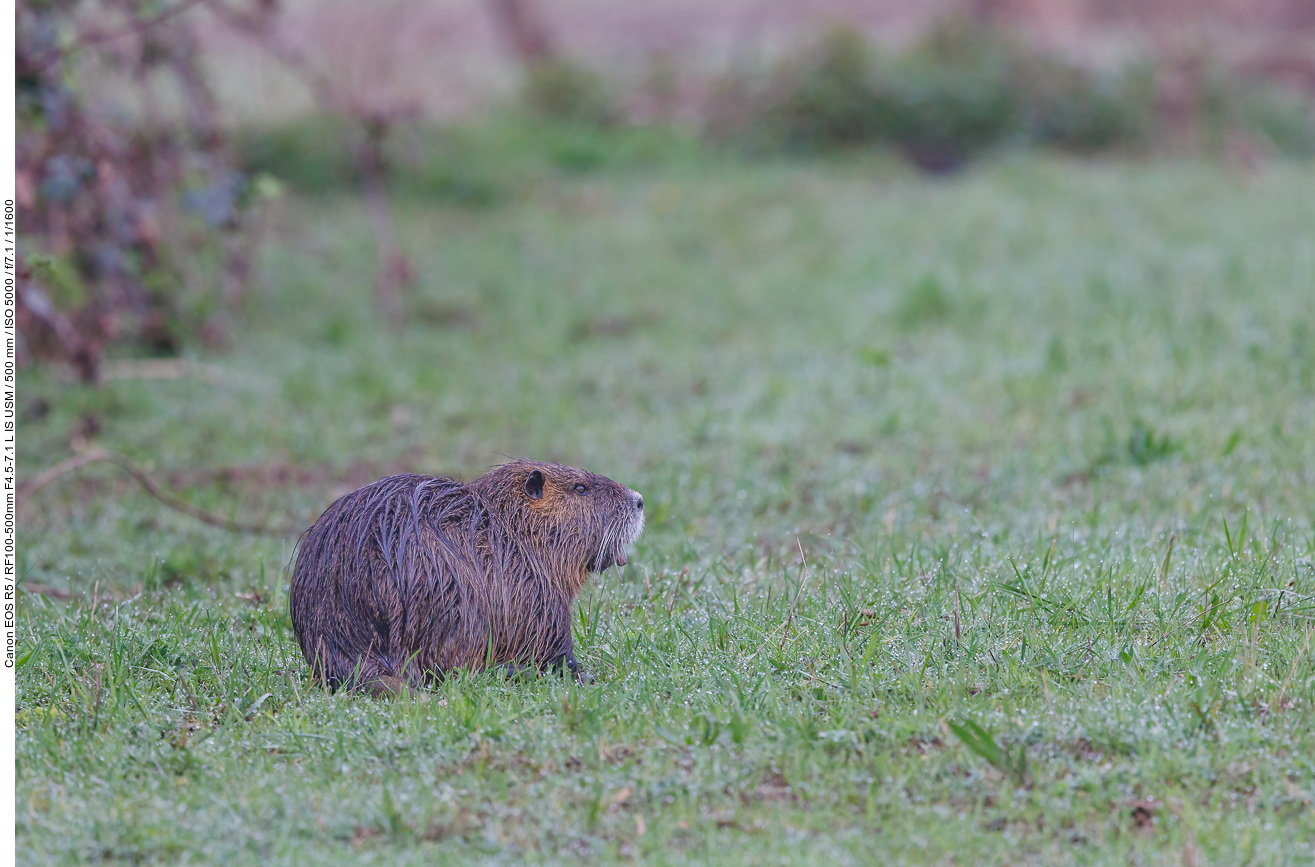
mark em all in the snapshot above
pixel 413 576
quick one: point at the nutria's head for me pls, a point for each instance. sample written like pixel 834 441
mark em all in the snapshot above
pixel 575 520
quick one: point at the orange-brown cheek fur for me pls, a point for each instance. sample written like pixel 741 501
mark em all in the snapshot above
pixel 547 506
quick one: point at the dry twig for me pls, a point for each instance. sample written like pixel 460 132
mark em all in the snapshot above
pixel 98 455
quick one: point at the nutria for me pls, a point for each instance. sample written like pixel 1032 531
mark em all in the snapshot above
pixel 414 576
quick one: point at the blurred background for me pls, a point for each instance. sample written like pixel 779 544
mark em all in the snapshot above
pixel 152 134
pixel 828 266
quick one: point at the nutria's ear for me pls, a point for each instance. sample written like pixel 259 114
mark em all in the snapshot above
pixel 534 485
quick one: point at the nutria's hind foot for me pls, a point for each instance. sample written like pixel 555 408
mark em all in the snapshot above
pixel 567 662
pixel 512 671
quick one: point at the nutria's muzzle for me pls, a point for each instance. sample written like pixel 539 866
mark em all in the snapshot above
pixel 620 536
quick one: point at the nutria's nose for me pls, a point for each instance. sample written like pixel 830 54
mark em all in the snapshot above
pixel 639 502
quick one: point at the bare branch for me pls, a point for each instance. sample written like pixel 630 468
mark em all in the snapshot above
pixel 523 27
pixel 98 455
pixel 90 38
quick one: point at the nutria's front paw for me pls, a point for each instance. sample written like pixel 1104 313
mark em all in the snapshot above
pixel 581 676
pixel 568 662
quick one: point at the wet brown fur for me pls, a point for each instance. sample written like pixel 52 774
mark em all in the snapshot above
pixel 414 576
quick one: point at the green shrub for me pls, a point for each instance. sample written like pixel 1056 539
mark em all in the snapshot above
pixel 1075 109
pixel 311 156
pixel 563 90
pixel 956 92
pixel 443 181
pixel 951 95
pixel 827 97
pixel 316 156
pixel 471 165
pixel 939 117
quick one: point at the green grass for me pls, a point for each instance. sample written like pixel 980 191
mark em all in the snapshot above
pixel 1026 455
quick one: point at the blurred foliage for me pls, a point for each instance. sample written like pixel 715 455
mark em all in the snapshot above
pixel 1281 119
pixel 139 230
pixel 132 227
pixel 959 90
pixel 1074 109
pixel 828 95
pixel 476 165
pixel 310 155
pixel 949 97
pixel 563 89
pixel 964 88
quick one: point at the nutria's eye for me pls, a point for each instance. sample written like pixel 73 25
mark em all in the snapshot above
pixel 580 489
pixel 534 485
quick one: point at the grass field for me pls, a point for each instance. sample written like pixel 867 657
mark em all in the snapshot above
pixel 981 529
